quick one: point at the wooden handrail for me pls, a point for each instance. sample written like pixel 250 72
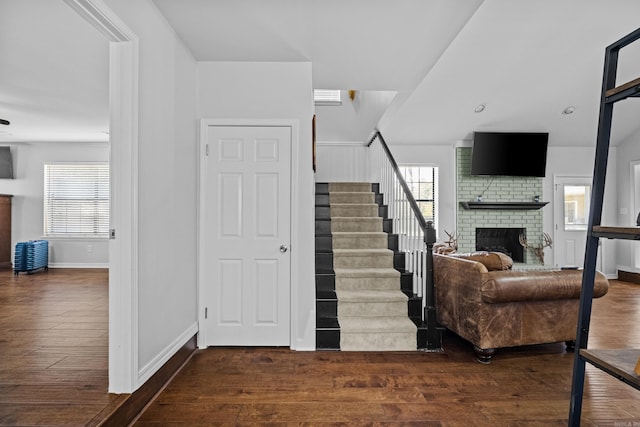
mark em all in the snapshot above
pixel 403 183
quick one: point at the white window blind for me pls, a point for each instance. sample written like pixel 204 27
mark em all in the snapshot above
pixel 327 97
pixel 76 199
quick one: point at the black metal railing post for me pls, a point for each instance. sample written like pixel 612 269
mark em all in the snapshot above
pixel 430 323
pixel 433 329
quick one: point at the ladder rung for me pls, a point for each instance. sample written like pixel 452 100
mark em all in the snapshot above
pixel 629 233
pixel 632 84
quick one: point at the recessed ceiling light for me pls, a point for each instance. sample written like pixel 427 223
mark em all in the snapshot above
pixel 569 110
pixel 480 108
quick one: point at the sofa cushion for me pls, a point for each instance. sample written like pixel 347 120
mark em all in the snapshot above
pixel 537 286
pixel 491 260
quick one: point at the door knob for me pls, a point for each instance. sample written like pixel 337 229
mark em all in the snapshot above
pixel 283 248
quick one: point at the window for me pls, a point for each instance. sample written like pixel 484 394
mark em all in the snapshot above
pixel 576 206
pixel 76 199
pixel 326 97
pixel 422 181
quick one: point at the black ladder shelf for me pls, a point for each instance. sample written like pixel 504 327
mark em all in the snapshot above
pixel 618 363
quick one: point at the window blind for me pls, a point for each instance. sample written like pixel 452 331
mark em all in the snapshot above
pixel 76 199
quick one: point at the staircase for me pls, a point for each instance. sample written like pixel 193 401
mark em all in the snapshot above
pixel 364 299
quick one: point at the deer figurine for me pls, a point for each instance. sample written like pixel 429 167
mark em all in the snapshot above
pixel 537 250
pixel 452 240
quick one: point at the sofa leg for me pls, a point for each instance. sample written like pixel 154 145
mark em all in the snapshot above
pixel 571 345
pixel 484 354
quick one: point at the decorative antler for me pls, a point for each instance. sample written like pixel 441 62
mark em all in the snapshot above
pixel 537 250
pixel 452 240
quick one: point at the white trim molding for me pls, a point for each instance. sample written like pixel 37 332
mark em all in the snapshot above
pixel 293 124
pixel 123 249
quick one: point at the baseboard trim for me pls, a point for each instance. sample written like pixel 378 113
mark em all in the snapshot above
pixel 125 411
pixel 627 276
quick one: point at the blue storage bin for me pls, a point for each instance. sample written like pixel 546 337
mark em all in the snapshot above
pixel 30 256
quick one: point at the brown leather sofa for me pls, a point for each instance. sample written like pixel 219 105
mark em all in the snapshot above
pixel 481 299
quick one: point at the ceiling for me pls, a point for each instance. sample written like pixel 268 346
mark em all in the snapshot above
pixel 524 60
pixel 54 80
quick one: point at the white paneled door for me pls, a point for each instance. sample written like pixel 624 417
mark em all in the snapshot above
pixel 571 215
pixel 245 236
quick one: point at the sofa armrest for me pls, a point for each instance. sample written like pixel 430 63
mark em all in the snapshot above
pixel 458 278
pixel 513 286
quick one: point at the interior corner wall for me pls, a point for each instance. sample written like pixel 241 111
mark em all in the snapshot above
pixel 275 90
pixel 27 204
pixel 167 187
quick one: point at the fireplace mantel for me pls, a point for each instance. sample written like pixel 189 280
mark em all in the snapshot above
pixel 504 205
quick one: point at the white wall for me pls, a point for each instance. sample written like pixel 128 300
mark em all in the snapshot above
pixel 560 161
pixel 579 161
pixel 350 162
pixel 167 187
pixel 263 90
pixel 342 161
pixel 28 201
pixel 626 154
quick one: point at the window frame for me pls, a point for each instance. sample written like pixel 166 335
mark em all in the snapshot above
pixel 434 193
pixel 101 215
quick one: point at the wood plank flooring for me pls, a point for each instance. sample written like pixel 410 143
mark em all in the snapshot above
pixel 53 372
pixel 526 386
pixel 54 347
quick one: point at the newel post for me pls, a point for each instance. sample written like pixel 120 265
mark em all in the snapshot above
pixel 431 328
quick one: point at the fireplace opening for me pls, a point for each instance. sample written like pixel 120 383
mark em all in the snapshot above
pixel 505 240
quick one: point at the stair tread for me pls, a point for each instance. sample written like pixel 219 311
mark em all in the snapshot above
pixel 366 272
pixel 362 252
pixel 371 295
pixel 357 324
pixel 359 233
pixel 352 205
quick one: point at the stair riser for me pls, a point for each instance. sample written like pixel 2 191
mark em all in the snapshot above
pixel 355 284
pixel 360 242
pixel 351 198
pixel 324 212
pixel 372 309
pixel 356 225
pixel 323 187
pixel 324 262
pixel 349 187
pixel 325 282
pixel 387 341
pixel 324 243
pixel 323 226
pixel 322 199
pixel 327 308
pixel 372 261
pixel 328 339
pixel 369 211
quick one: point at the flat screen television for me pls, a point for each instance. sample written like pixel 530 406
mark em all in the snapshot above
pixel 509 153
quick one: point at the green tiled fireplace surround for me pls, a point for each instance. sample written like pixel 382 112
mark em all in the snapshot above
pixel 495 189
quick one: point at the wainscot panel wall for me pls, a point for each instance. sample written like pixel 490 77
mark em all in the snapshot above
pixel 342 161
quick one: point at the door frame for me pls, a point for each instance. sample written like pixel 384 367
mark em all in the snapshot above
pixel 292 124
pixel 559 208
pixel 124 375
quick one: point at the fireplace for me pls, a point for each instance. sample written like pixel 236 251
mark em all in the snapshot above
pixel 505 240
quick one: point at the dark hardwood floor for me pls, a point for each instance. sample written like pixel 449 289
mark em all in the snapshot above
pixel 53 372
pixel 54 347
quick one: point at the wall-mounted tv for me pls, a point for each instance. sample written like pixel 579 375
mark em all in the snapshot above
pixel 509 153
